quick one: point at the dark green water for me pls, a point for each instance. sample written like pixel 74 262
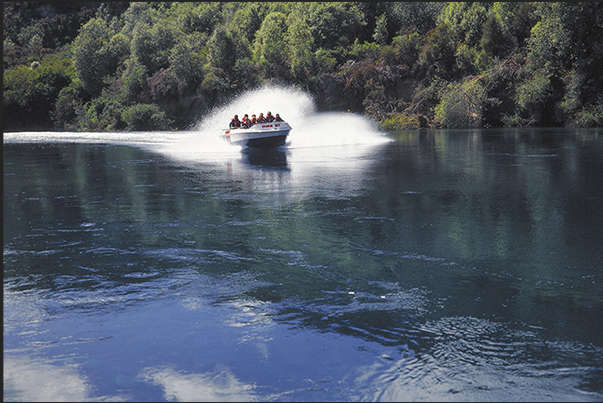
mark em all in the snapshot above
pixel 441 266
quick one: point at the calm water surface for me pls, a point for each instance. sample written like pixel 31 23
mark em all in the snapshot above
pixel 440 266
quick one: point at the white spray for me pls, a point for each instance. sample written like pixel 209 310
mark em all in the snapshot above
pixel 296 107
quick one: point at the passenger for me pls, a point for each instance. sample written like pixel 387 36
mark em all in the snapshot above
pixel 261 118
pixel 277 118
pixel 246 122
pixel 253 120
pixel 269 117
pixel 235 123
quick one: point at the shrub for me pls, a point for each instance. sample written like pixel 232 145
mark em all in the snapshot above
pixel 66 107
pixel 30 92
pixel 134 80
pixel 146 117
pixel 407 48
pixel 532 95
pixel 101 114
pixel 462 104
pixel 399 121
pixel 163 84
pixel 269 44
pixel 90 54
pixel 591 116
pixel 437 56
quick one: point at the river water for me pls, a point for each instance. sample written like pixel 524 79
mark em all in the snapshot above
pixel 349 265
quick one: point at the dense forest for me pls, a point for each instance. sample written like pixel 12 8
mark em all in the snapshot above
pixel 110 66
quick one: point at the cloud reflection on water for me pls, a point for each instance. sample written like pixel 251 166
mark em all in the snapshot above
pixel 26 380
pixel 218 386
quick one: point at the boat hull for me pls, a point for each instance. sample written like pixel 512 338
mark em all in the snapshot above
pixel 262 136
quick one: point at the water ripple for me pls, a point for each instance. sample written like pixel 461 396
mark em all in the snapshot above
pixel 472 359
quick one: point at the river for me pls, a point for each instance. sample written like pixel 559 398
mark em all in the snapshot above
pixel 349 265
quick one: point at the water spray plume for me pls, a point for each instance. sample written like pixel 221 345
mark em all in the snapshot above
pixel 296 107
pixel 292 104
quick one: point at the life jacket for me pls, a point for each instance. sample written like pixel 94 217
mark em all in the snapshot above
pixel 234 123
pixel 269 118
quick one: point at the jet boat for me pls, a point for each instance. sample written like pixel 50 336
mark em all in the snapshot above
pixel 260 135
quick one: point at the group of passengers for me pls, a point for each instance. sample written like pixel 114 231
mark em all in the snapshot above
pixel 246 123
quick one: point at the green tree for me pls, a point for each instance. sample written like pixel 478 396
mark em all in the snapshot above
pixel 301 48
pixel 247 20
pixel 564 55
pixel 133 81
pixel 407 48
pixel 516 20
pixel 437 56
pixel 30 93
pixel 462 104
pixel 91 56
pixel 380 36
pixel 139 13
pixel 221 50
pixel 533 94
pixel 419 17
pixel 466 20
pixel 551 41
pixel 270 47
pixel 140 117
pixel 495 41
pixel 152 45
pixel 102 113
pixel 68 106
pixel 187 61
pixel 541 60
pixel 196 17
pixel 333 25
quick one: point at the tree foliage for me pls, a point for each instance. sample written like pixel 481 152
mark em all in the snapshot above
pixel 462 104
pixel 270 47
pixel 91 54
pixel 30 92
pixel 140 117
pixel 105 66
pixel 300 47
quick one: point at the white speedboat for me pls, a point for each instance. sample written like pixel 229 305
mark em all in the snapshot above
pixel 260 135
